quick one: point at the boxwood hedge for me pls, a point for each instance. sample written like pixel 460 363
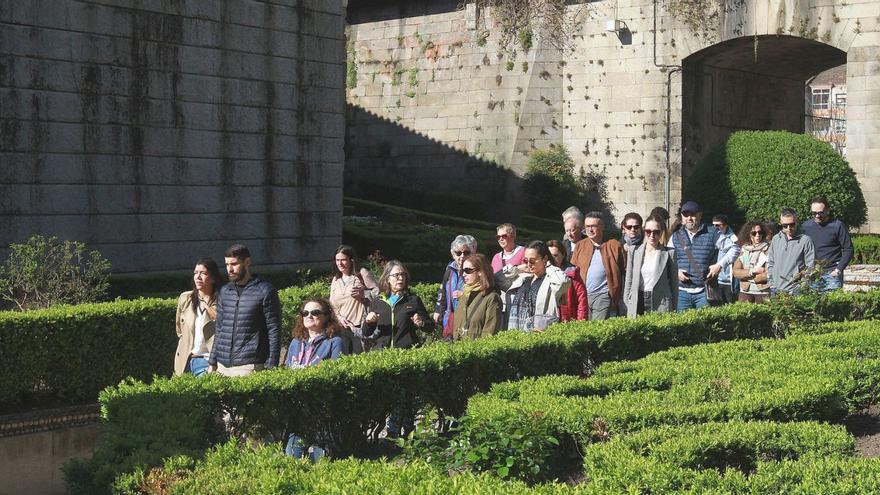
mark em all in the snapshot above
pixel 350 396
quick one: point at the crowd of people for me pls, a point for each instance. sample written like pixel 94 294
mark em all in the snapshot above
pixel 234 329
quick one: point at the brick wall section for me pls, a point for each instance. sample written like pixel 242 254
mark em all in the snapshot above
pixel 604 98
pixel 157 132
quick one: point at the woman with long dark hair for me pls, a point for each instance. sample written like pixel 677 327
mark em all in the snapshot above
pixel 351 288
pixel 196 312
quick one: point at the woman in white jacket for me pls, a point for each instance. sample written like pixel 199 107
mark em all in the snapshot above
pixel 537 294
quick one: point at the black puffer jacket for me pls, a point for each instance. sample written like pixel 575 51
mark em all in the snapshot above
pixel 247 325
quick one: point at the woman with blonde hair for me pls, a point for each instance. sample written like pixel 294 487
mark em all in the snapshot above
pixel 479 307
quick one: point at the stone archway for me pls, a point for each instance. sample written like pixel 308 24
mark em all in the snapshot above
pixel 754 83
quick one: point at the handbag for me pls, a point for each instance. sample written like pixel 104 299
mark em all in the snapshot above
pixel 713 290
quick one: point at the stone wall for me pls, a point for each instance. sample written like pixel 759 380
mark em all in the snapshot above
pixel 606 96
pixel 158 132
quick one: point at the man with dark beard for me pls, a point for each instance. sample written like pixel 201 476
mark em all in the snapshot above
pixel 247 336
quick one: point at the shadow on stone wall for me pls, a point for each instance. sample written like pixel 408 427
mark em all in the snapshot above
pixel 389 163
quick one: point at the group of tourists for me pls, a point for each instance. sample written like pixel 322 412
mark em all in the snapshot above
pixel 234 329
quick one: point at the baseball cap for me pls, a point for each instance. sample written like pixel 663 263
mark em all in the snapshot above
pixel 691 206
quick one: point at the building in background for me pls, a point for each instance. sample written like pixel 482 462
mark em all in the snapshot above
pixel 826 107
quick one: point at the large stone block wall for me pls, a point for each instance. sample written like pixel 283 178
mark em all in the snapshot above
pixel 605 96
pixel 160 131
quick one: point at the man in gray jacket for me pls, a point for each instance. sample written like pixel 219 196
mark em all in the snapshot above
pixel 247 336
pixel 791 252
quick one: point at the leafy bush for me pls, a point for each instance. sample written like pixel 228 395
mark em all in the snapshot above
pixel 866 250
pixel 44 272
pixel 549 183
pixel 756 173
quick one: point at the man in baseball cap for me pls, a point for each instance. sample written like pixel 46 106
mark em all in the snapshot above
pixel 695 254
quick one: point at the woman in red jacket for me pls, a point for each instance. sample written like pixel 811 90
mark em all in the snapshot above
pixel 575 307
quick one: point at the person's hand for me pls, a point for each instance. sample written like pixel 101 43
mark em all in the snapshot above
pixel 417 319
pixel 834 273
pixel 372 317
pixel 212 368
pixel 436 317
pixel 523 268
pixel 456 294
pixel 760 269
pixel 356 292
pixel 682 276
pixel 345 323
pixel 714 270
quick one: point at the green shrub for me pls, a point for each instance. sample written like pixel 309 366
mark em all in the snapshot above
pixel 549 183
pixel 45 272
pixel 866 250
pixel 70 353
pixel 353 395
pixel 756 173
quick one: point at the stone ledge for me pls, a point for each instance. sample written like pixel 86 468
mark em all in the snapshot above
pixel 49 419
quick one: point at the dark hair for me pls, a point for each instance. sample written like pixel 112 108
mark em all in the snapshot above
pixel 558 245
pixel 819 199
pixel 664 235
pixel 597 215
pixel 348 251
pixel 239 251
pixel 745 233
pixel 721 217
pixel 540 247
pixel 661 214
pixel 628 216
pixel 214 273
pixel 788 212
pixel 332 327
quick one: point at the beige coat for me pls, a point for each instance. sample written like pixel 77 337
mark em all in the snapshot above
pixel 186 328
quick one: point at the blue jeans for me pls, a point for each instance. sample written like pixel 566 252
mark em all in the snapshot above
pixel 295 448
pixel 198 366
pixel 828 282
pixel 686 300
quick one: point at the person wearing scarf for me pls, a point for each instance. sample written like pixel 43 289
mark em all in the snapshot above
pixel 750 268
pixel 315 339
pixel 537 294
pixel 631 231
pixel 479 309
pixel 452 284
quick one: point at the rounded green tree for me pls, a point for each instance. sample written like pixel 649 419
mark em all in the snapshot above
pixel 756 173
pixel 549 183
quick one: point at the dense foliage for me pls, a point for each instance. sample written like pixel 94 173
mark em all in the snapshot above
pixel 549 183
pixel 353 395
pixel 44 272
pixel 756 173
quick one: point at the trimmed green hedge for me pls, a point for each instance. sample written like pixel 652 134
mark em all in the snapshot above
pixel 148 422
pixel 866 250
pixel 754 174
pixel 71 353
pixel 763 458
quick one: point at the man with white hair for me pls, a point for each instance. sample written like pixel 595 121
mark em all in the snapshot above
pixel 573 223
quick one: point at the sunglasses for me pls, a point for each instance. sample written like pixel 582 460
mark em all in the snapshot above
pixel 717 225
pixel 632 227
pixel 469 270
pixel 788 225
pixel 757 233
pixel 502 236
pixel 314 312
pixel 652 232
pixel 459 253
pixel 817 213
pixel 532 261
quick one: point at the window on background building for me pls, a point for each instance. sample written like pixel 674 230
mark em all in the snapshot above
pixel 839 126
pixel 840 100
pixel 820 99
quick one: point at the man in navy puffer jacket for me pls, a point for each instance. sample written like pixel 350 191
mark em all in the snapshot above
pixel 248 319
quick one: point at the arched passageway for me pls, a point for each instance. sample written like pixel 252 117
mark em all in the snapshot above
pixel 754 83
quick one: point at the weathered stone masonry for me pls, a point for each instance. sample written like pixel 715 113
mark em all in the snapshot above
pixel 158 131
pixel 605 97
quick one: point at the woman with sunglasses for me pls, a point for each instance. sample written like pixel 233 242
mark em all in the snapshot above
pixel 452 284
pixel 651 282
pixel 536 294
pixel 479 312
pixel 750 268
pixel 315 339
